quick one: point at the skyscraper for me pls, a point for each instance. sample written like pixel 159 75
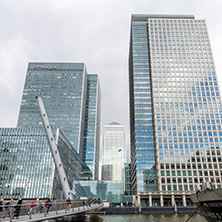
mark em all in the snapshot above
pixel 175 105
pixel 62 87
pixel 114 152
pixel 92 126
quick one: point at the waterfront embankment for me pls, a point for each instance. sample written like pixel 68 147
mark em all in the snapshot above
pixel 145 210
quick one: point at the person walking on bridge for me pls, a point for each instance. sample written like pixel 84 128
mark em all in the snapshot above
pixel 40 206
pixel 8 209
pixel 48 205
pixel 68 201
pixel 1 208
pixel 33 207
pixel 18 208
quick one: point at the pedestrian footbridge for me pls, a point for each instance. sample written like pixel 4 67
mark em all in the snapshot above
pixel 54 213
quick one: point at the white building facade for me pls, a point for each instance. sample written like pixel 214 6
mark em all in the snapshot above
pixel 114 152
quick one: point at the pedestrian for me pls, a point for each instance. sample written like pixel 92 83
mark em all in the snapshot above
pixel 8 209
pixel 48 205
pixel 33 207
pixel 1 205
pixel 18 208
pixel 1 208
pixel 40 206
pixel 68 201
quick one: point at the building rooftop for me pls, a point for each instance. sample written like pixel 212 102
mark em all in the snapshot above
pixel 144 17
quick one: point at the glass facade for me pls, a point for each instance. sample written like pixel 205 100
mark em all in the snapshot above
pixel 186 102
pixel 62 87
pixel 71 160
pixel 110 191
pixel 92 127
pixel 26 165
pixel 127 179
pixel 141 111
pixel 107 172
pixel 114 152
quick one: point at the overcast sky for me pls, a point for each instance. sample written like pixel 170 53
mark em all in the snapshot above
pixel 95 32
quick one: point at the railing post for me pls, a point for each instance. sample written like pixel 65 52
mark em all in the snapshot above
pixel 10 213
pixel 30 217
pixel 56 209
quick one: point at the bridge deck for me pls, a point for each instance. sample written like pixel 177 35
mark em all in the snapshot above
pixel 55 214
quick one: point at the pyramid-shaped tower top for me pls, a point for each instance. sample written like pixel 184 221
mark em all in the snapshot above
pixel 114 123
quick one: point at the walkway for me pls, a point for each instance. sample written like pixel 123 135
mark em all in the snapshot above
pixel 56 214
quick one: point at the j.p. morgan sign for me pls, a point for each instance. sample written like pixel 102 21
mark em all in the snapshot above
pixel 43 67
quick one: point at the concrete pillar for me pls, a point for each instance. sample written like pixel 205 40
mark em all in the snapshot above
pixel 184 201
pixel 138 201
pixel 134 200
pixel 150 201
pixel 172 200
pixel 161 200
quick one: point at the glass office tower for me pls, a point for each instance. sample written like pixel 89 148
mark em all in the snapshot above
pixel 92 127
pixel 62 87
pixel 141 110
pixel 175 104
pixel 114 152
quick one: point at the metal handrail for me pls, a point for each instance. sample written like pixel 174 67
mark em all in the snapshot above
pixel 60 209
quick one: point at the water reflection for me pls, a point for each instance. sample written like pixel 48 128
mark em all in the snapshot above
pixel 95 218
pixel 79 218
pixel 132 218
